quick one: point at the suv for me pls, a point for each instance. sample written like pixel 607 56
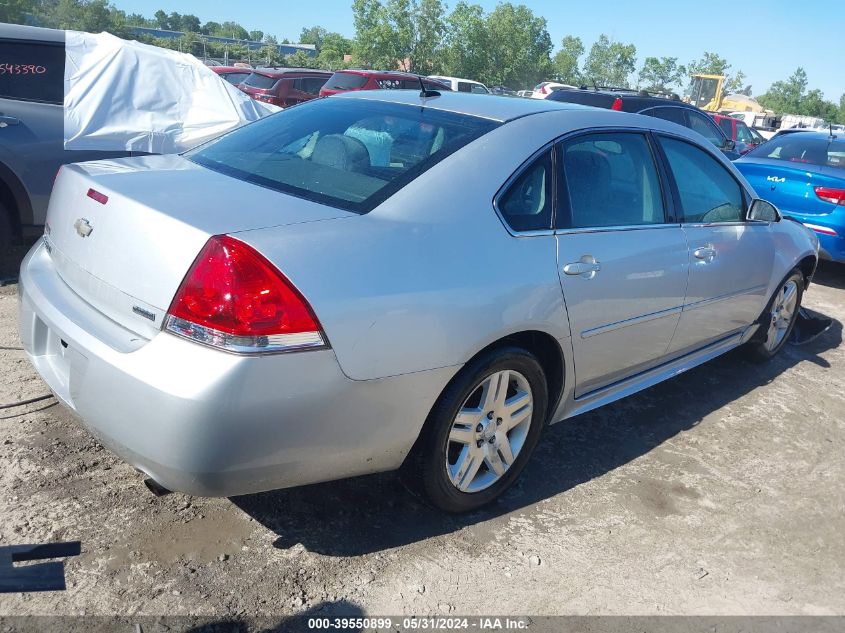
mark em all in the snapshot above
pixel 31 129
pixel 738 132
pixel 667 107
pixel 233 74
pixel 284 86
pixel 346 80
pixel 462 85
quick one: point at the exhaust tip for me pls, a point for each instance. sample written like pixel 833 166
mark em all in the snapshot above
pixel 156 488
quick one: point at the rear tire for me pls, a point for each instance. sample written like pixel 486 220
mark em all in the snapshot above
pixel 481 432
pixel 778 319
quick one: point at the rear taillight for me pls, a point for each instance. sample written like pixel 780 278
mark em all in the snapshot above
pixel 829 194
pixel 617 104
pixel 234 299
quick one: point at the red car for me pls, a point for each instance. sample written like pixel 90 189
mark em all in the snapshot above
pixel 233 74
pixel 346 80
pixel 738 132
pixel 284 86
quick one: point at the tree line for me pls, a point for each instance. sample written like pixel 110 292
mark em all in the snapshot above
pixel 509 46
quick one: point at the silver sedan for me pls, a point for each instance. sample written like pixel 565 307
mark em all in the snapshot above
pixel 387 279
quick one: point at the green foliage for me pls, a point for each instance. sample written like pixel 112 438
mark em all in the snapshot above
pixel 791 97
pixel 465 47
pixel 313 35
pixel 332 49
pixel 662 74
pixel 518 46
pixel 300 60
pixel 567 59
pixel 610 63
pixel 714 64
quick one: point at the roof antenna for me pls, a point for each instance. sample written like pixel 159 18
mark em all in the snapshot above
pixel 425 93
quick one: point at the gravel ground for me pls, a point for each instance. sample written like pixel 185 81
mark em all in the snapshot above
pixel 718 492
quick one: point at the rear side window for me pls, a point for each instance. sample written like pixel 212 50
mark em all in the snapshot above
pixel 611 180
pixel 526 205
pixel 674 115
pixel 32 72
pixel 708 193
pixel 236 78
pixel 311 85
pixel 463 86
pixel 262 82
pixel 346 81
pixel 344 153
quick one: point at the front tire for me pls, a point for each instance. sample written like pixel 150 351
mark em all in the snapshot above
pixel 778 319
pixel 481 432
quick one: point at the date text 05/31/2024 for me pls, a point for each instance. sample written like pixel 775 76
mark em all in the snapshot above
pixel 420 624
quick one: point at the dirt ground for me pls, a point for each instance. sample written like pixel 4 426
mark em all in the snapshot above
pixel 718 492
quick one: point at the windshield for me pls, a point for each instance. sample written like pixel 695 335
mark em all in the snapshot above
pixel 346 153
pixel 797 148
pixel 262 82
pixel 345 81
pixel 702 91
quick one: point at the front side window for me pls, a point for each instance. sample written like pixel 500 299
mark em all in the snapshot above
pixel 464 86
pixel 479 89
pixel 611 180
pixel 527 203
pixel 705 126
pixel 32 72
pixel 348 154
pixel 671 114
pixel 708 193
pixel 725 124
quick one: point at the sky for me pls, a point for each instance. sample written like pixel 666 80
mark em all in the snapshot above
pixel 766 40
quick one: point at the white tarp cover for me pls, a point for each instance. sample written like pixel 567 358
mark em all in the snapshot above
pixel 128 96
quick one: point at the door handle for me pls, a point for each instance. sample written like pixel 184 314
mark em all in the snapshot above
pixel 586 267
pixel 707 253
pixel 9 120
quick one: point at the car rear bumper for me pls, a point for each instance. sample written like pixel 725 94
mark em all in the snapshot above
pixel 207 422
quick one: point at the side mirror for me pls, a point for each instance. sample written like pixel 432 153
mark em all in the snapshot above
pixel 762 211
pixel 729 145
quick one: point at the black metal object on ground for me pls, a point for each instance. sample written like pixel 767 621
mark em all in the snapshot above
pixel 809 326
pixel 38 577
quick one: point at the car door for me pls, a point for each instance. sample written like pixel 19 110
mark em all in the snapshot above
pixel 731 258
pixel 622 261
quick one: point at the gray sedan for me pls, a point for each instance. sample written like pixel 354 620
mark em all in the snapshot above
pixel 387 279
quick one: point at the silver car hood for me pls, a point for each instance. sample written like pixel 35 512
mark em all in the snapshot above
pixel 127 252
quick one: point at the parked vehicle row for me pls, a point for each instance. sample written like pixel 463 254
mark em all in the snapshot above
pixel 337 324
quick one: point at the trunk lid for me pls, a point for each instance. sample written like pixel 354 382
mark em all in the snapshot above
pixel 123 233
pixel 791 187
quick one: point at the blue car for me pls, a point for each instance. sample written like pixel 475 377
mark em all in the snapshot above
pixel 804 176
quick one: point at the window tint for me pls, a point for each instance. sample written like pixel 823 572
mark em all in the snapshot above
pixel 312 85
pixel 235 78
pixel 743 133
pixel 348 154
pixel 675 115
pixel 262 82
pixel 346 81
pixel 463 86
pixel 725 124
pixel 708 193
pixel 527 204
pixel 32 72
pixel 798 148
pixel 705 126
pixel 612 181
pixel 479 89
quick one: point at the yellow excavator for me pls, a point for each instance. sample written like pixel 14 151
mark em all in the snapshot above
pixel 705 92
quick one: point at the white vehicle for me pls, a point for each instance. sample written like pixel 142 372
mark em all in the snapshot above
pixel 463 85
pixel 543 90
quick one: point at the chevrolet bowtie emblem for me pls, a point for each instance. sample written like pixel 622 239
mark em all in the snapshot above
pixel 83 227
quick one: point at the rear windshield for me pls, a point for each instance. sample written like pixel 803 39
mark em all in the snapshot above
pixel 341 152
pixel 262 82
pixel 797 148
pixel 346 81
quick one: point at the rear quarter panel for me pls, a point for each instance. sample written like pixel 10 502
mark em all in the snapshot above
pixel 431 276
